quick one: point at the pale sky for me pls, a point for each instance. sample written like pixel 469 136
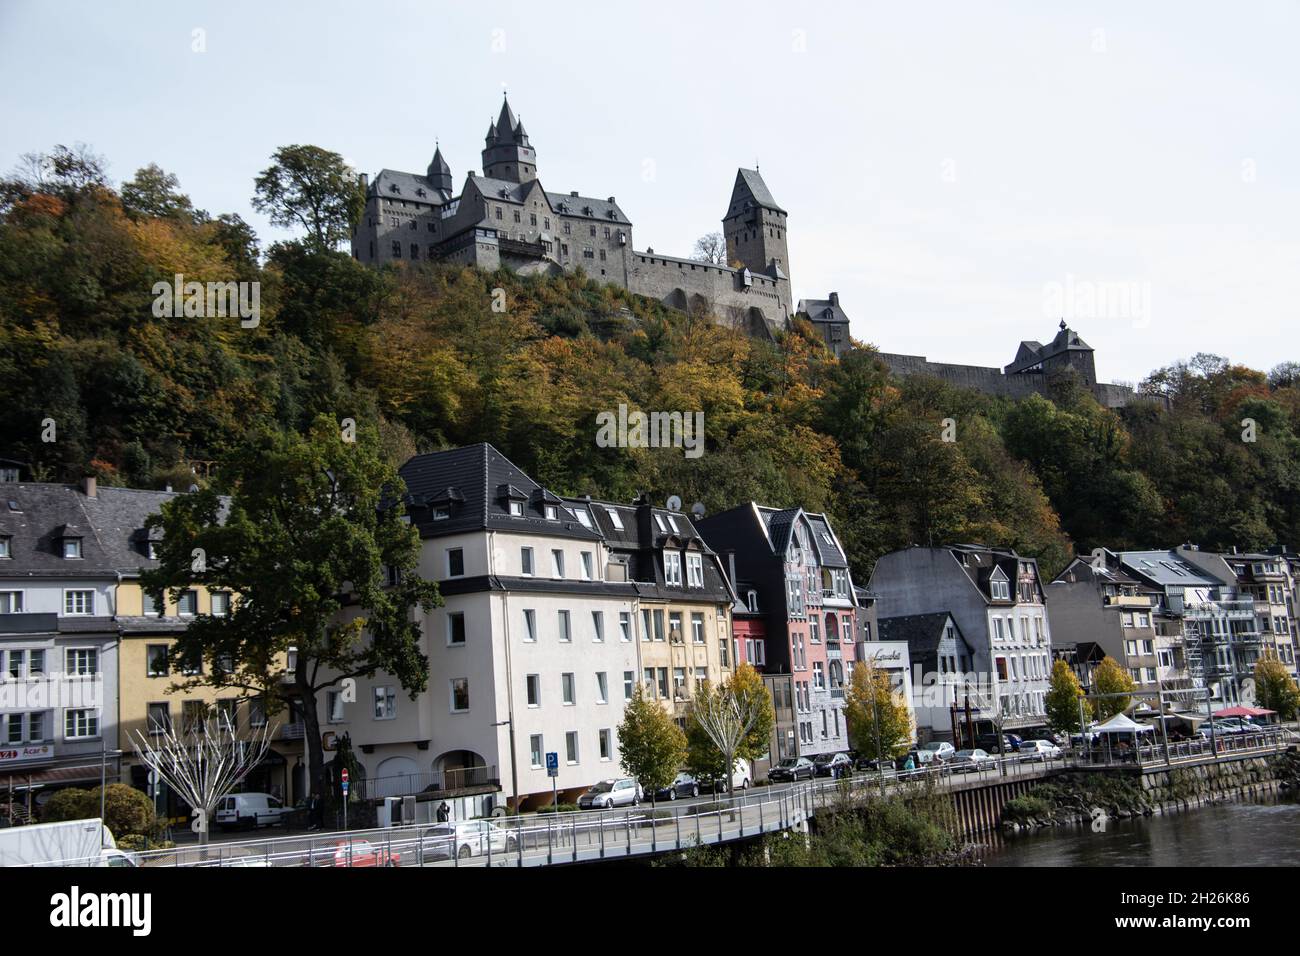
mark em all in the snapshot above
pixel 949 168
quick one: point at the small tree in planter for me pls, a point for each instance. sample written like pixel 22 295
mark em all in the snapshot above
pixel 652 746
pixel 204 763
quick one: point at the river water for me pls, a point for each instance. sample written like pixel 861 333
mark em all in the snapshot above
pixel 1263 832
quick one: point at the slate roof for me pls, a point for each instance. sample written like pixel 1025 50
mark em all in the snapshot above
pixel 641 542
pixel 480 475
pixel 749 184
pixel 111 527
pixel 922 632
pixel 1165 568
pixel 979 563
pixel 1031 353
pixel 829 553
pixel 823 310
pixel 408 186
pixel 568 204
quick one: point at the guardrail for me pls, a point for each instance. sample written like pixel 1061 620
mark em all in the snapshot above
pixel 542 839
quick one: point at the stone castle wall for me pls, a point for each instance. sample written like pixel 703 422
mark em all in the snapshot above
pixel 993 381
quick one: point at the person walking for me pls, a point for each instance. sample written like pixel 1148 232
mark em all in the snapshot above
pixel 444 812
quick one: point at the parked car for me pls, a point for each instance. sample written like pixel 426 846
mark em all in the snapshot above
pixel 364 853
pixel 862 762
pixel 791 769
pixel 1039 750
pixel 251 810
pixel 989 743
pixel 832 765
pixel 740 779
pixel 620 792
pixel 684 785
pixel 939 750
pixel 1231 725
pixel 966 760
pixel 465 840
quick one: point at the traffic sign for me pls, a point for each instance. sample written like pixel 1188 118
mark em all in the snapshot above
pixel 552 764
pixel 344 774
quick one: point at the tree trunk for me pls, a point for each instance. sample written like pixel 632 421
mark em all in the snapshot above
pixel 311 733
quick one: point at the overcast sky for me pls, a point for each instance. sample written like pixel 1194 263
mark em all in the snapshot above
pixel 962 174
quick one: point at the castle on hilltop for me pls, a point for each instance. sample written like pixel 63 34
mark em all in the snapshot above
pixel 1035 367
pixel 505 217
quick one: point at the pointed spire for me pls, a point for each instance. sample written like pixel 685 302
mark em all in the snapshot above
pixel 439 163
pixel 439 173
pixel 506 122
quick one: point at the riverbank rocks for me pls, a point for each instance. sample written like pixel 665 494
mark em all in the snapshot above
pixel 1093 798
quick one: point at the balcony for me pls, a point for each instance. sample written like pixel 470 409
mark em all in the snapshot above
pixel 1129 600
pixel 444 783
pixel 294 731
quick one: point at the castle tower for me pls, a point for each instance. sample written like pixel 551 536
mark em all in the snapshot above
pixel 755 227
pixel 439 174
pixel 507 154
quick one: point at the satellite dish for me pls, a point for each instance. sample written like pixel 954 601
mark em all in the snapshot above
pixel 674 503
pixel 697 509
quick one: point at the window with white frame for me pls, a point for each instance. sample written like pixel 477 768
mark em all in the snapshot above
pixel 536 751
pixel 557 563
pixel 679 683
pixel 516 509
pixel 334 706
pixel 625 626
pixel 526 561
pixel 456 629
pixel 530 625
pixel 78 602
pixel 6 546
pixel 567 689
pixel 156 660
pixel 187 603
pixel 587 566
pixel 455 562
pixel 566 631
pixel 533 684
pixel 81 661
pixel 695 570
pixel 697 627
pixel 571 746
pixel 598 626
pixel 80 723
pixel 675 626
pixel 672 568
pixel 615 518
pixel 606 744
pixel 72 547
pixel 459 695
pixel 629 684
pixel 602 687
pixel 385 702
pixel 220 603
pixel 11 602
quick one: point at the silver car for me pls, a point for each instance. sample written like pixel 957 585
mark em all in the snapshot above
pixel 620 792
pixel 964 760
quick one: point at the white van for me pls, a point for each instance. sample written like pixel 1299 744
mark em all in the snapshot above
pixel 250 810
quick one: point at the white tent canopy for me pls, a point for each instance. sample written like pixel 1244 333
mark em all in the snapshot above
pixel 1120 724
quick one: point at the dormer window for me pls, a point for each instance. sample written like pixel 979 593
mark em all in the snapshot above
pixel 552 513
pixel 615 518
pixel 441 512
pixel 659 522
pixel 71 547
pixel 151 550
pixel 517 509
pixel 393 188
pixel 6 546
pixel 1000 589
pixel 751 601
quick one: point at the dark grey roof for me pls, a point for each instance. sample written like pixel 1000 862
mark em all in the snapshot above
pixel 750 185
pixel 483 478
pixel 567 204
pixel 823 310
pixel 1165 568
pixel 980 562
pixel 780 526
pixel 829 553
pixel 111 527
pixel 409 187
pixel 922 632
pixel 641 542
pixel 1031 353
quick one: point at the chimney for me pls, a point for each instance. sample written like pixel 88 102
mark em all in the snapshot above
pixel 90 486
pixel 365 181
pixel 731 565
pixel 574 194
pixel 835 298
pixel 611 200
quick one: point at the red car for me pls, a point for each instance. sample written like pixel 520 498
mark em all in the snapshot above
pixel 363 853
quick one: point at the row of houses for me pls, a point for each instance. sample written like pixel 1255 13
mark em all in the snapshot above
pixel 555 609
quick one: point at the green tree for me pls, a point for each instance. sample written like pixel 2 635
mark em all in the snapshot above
pixel 313 188
pixel 730 722
pixel 879 720
pixel 126 810
pixel 1063 697
pixel 1275 689
pixel 1110 678
pixel 312 526
pixel 653 747
pixel 155 192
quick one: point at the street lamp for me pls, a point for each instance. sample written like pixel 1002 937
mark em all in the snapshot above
pixel 514 775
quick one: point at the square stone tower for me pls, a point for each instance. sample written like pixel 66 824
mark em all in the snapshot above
pixel 755 227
